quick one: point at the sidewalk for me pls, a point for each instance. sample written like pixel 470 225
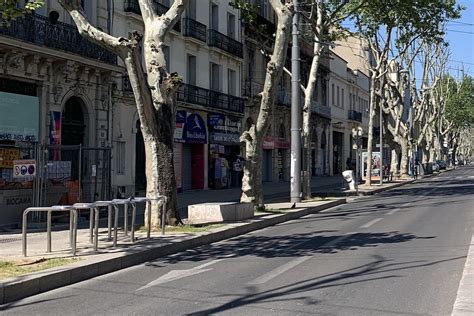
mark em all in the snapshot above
pixel 126 254
pixel 272 192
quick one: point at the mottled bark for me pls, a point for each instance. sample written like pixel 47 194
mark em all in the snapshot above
pixel 370 132
pixel 404 157
pixel 309 91
pixel 253 137
pixel 155 95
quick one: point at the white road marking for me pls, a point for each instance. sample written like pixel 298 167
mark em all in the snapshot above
pixel 293 263
pixel 464 304
pixel 393 211
pixel 179 274
pixel 372 222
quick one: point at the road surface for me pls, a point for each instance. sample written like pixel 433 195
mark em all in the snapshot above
pixel 402 252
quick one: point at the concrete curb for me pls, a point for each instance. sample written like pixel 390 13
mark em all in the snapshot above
pixel 29 285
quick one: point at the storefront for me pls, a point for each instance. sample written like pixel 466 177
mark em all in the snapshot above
pixel 225 162
pixel 19 133
pixel 190 148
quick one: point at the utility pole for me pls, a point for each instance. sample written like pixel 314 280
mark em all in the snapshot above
pixel 295 179
pixel 381 144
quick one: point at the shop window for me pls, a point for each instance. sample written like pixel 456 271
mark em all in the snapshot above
pixel 120 157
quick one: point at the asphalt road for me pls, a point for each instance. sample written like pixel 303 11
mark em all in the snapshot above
pixel 398 253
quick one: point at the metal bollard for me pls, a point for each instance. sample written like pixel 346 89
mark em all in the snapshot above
pixel 48 232
pixel 96 229
pixel 134 214
pixel 91 225
pixel 148 206
pixel 125 220
pixel 109 221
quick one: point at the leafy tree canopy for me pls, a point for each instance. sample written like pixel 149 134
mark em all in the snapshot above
pixel 12 9
pixel 460 102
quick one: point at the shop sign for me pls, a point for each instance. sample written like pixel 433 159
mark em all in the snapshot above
pixel 268 142
pixel 224 129
pixel 24 168
pixel 20 117
pixel 7 156
pixel 179 127
pixel 281 143
pixel 195 130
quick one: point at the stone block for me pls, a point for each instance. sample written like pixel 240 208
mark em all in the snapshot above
pixel 219 212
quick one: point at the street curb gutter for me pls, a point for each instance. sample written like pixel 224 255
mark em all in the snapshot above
pixel 23 287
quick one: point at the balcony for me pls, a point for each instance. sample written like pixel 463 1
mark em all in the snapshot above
pixel 194 29
pixel 227 44
pixel 39 30
pixel 133 7
pixel 321 109
pixel 354 116
pixel 208 98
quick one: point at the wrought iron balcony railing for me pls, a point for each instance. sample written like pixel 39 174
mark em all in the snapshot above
pixel 39 30
pixel 230 45
pixel 213 99
pixel 133 7
pixel 354 116
pixel 195 29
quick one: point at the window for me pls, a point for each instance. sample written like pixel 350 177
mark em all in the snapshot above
pixel 232 82
pixel 214 22
pixel 350 101
pixel 191 69
pixel 191 10
pixel 88 8
pixel 166 52
pixel 337 103
pixel 215 77
pixel 333 94
pixel 120 157
pixel 342 95
pixel 231 25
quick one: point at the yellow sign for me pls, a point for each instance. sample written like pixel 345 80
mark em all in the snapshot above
pixel 7 155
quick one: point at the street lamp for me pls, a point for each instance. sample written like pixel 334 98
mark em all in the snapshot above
pixel 357 136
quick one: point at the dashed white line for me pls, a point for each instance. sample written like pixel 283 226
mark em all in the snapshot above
pixel 464 304
pixel 372 222
pixel 393 211
pixel 293 263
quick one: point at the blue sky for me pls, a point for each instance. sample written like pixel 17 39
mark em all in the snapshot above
pixel 462 44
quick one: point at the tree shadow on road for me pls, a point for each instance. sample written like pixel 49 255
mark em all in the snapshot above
pixel 294 245
pixel 363 273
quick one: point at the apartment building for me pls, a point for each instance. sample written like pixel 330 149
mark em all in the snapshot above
pixel 56 103
pixel 349 99
pixel 206 49
pixel 276 146
pixel 67 104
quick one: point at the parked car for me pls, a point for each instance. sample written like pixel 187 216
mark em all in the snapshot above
pixel 435 167
pixel 441 164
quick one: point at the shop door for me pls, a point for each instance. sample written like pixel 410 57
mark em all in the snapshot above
pixel 198 167
pixel 187 168
pixel 267 166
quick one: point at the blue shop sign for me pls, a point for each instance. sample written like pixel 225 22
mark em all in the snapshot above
pixel 180 116
pixel 195 130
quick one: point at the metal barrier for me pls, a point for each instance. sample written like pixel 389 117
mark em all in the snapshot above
pixel 49 210
pixel 163 201
pixel 94 219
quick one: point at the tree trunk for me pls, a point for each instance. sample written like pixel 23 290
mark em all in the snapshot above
pixel 404 157
pixel 309 91
pixel 394 162
pixel 253 137
pixel 370 132
pixel 252 178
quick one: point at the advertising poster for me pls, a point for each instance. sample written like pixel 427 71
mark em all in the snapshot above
pixel 7 156
pixel 376 164
pixel 24 168
pixel 20 117
pixel 55 133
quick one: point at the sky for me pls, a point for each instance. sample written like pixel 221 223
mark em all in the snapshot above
pixel 460 35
